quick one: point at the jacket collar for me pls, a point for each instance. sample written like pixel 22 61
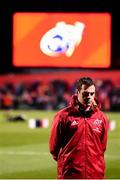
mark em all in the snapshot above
pixel 80 108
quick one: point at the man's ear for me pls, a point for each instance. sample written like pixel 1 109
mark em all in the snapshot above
pixel 76 91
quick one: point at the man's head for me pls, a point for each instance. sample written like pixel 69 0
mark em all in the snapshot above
pixel 86 91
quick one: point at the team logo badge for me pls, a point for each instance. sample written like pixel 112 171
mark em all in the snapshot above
pixel 62 39
pixel 97 124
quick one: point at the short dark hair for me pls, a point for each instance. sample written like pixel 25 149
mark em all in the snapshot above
pixel 84 80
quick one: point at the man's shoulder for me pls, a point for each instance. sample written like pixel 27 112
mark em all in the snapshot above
pixel 103 115
pixel 64 112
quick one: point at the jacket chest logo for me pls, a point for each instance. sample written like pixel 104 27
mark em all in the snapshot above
pixel 97 125
pixel 74 123
pixel 97 122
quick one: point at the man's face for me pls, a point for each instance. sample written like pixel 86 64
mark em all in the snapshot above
pixel 86 95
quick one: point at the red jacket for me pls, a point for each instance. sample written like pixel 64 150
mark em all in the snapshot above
pixel 78 142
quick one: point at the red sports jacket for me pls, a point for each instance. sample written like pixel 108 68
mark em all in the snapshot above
pixel 78 142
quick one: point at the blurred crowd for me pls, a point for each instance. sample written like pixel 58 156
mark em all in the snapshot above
pixel 54 95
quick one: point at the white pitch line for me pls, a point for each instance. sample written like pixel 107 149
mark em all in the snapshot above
pixel 112 157
pixel 29 153
pixel 33 153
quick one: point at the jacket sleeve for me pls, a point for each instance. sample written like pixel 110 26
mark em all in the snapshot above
pixel 55 137
pixel 105 133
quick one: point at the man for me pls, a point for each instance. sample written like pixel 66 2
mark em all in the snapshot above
pixel 78 136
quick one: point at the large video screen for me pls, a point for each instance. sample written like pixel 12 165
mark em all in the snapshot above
pixel 64 40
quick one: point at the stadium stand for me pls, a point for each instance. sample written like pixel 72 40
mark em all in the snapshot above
pixel 53 91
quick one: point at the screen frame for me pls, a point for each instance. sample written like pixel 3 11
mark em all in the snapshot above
pixel 84 51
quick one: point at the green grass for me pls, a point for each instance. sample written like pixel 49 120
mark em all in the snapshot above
pixel 24 152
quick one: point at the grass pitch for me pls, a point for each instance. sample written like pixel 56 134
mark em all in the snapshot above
pixel 24 152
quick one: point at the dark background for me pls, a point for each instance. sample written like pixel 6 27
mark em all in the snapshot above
pixel 8 7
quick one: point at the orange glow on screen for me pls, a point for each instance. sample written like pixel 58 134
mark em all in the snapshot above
pixel 92 51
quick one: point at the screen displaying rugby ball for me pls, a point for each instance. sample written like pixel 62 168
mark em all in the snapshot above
pixel 64 40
